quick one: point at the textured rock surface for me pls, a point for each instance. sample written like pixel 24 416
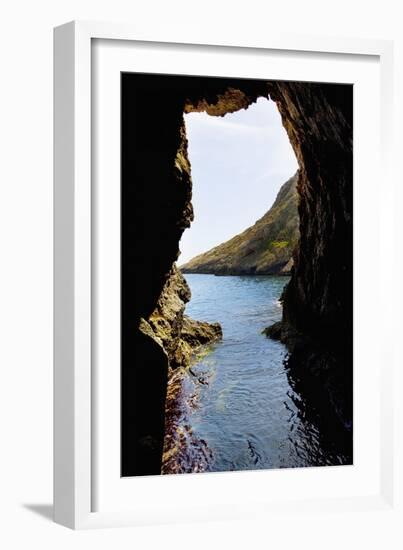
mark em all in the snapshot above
pixel 318 119
pixel 318 300
pixel 263 249
pixel 177 334
pixel 156 208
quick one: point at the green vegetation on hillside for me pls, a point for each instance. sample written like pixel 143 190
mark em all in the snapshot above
pixel 264 248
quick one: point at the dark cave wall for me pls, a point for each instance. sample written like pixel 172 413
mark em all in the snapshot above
pixel 156 209
pixel 318 302
pixel 318 120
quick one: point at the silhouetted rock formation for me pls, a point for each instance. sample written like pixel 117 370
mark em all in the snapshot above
pixel 317 302
pixel 263 249
pixel 156 209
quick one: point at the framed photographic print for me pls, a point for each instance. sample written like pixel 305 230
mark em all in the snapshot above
pixel 218 251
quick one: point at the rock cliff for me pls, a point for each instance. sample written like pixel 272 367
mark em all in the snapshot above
pixel 263 249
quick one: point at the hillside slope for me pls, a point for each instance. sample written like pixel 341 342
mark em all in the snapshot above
pixel 263 249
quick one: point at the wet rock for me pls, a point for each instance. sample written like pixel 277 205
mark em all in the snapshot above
pixel 274 331
pixel 198 333
pixel 179 335
pixel 286 334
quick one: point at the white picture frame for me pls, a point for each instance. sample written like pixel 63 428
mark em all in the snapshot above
pixel 75 468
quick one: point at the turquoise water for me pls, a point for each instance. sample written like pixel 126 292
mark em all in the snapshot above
pixel 237 410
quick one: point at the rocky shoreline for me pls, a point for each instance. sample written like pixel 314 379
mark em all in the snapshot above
pixel 177 334
pixel 183 339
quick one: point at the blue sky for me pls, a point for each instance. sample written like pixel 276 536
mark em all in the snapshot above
pixel 239 163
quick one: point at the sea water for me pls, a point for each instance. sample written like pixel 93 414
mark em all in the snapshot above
pixel 236 409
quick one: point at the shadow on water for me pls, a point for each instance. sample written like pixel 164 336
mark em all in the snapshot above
pixel 316 408
pixel 243 405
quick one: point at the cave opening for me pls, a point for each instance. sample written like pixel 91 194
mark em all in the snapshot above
pixel 238 162
pixel 245 226
pixel 156 209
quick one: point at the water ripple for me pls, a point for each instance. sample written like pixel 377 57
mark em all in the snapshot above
pixel 237 410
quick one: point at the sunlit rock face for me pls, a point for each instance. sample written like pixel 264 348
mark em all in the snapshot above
pixel 156 209
pixel 177 334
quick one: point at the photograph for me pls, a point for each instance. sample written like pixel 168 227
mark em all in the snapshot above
pixel 236 274
pixel 201 275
